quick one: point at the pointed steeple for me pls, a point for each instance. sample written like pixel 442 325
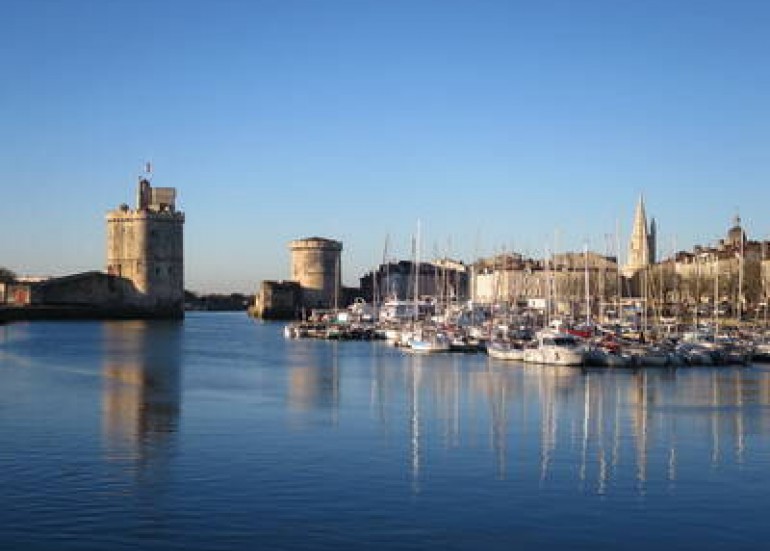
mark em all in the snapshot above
pixel 639 245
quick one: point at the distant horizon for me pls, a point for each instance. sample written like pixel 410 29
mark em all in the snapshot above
pixel 353 283
pixel 499 125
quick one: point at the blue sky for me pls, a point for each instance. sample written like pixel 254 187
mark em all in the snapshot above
pixel 499 125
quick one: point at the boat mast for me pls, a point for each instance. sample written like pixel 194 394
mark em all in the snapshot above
pixel 740 278
pixel 588 290
pixel 763 278
pixel 417 274
pixel 618 282
pixel 697 289
pixel 547 288
pixel 386 261
pixel 336 283
pixel 716 294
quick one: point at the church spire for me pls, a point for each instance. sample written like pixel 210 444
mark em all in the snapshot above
pixel 639 246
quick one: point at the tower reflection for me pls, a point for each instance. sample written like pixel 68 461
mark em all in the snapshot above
pixel 141 397
pixel 314 378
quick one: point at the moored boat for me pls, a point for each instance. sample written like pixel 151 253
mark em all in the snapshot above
pixel 505 350
pixel 556 348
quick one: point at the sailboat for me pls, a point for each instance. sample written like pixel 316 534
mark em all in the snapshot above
pixel 424 339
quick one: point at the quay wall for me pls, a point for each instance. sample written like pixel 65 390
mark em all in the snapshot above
pixel 88 295
pixel 278 300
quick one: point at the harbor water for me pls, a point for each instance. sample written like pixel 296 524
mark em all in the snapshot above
pixel 218 433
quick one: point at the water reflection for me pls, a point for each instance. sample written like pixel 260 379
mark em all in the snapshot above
pixel 314 378
pixel 596 428
pixel 141 393
pixel 495 386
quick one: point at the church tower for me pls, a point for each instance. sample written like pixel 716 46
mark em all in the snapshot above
pixel 641 249
pixel 145 247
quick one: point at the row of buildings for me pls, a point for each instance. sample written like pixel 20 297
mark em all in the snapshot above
pixel 735 272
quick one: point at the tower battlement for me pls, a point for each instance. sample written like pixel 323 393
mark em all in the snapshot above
pixel 145 246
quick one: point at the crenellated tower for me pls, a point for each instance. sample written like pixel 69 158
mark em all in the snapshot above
pixel 145 246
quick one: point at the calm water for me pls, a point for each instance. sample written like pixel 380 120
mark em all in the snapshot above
pixel 216 433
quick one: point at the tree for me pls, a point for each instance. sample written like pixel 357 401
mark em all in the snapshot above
pixel 6 274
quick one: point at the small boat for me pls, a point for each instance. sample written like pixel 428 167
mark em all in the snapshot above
pixel 647 356
pixel 599 356
pixel 505 350
pixel 695 354
pixel 556 348
pixel 461 343
pixel 290 331
pixel 430 342
pixel 762 351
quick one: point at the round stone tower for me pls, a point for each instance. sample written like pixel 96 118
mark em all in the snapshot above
pixel 315 265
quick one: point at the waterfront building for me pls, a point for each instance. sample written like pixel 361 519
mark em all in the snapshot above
pixel 734 271
pixel 145 247
pixel 442 279
pixel 560 280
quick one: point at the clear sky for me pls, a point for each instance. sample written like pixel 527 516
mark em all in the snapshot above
pixel 499 125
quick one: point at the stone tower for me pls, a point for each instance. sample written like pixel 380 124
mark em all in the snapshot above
pixel 145 246
pixel 315 265
pixel 641 249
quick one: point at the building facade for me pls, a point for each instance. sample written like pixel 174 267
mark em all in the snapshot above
pixel 560 281
pixel 445 280
pixel 734 271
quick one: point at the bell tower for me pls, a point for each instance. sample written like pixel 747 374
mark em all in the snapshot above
pixel 641 248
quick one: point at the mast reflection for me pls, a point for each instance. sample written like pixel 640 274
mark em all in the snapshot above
pixel 602 429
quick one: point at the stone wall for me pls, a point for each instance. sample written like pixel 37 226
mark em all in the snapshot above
pixel 94 289
pixel 278 300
